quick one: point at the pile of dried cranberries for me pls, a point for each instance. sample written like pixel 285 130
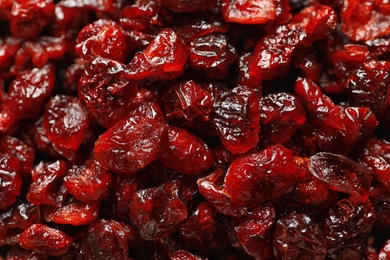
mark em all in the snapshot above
pixel 194 129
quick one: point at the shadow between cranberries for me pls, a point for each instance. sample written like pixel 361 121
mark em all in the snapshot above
pixel 188 130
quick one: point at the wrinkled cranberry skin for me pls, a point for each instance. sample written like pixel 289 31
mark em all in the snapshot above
pixel 103 38
pixel 134 142
pixel 11 180
pixel 236 118
pixel 45 240
pixel 210 56
pixel 384 253
pixel 188 5
pixel 29 17
pixel 298 236
pixel 105 92
pixel 156 213
pixel 257 177
pixel 248 12
pixel 186 153
pixel 182 254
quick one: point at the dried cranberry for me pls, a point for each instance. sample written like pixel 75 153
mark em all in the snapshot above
pixel 248 12
pixel 10 180
pixel 384 253
pixel 182 254
pixel 188 5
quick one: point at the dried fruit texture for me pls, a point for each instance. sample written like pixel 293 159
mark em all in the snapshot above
pixel 9 47
pixel 45 240
pixel 273 53
pixel 365 20
pixel 384 253
pixel 17 253
pixel 46 180
pixel 65 121
pixel 211 56
pixel 368 86
pixel 157 212
pixel 253 231
pixel 10 180
pixel 88 183
pixel 248 12
pixel 188 103
pixel 298 236
pixel 103 38
pixel 134 142
pixel 281 114
pixel 108 239
pixel 188 5
pixel 182 254
pixel 29 17
pixel 342 174
pixel 236 118
pixel 376 156
pixel 186 153
pixel 104 90
pixel 164 58
pixel 100 6
pixel 261 176
pixel 346 227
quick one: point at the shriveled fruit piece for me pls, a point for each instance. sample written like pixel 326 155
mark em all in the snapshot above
pixel 157 213
pixel 376 155
pixel 46 179
pixel 65 121
pixel 182 254
pixel 384 253
pixel 248 11
pixel 185 152
pixel 164 58
pixel 89 183
pixel 8 49
pixel 18 253
pixel 211 56
pixel 45 240
pixel 10 180
pixel 108 239
pixel 346 226
pixel 340 173
pixel 298 236
pixel 261 176
pixel 73 213
pixel 134 142
pixel 29 17
pixel 105 91
pixel 236 118
pixel 103 38
pixel 188 5
pixel 125 187
pixel 363 20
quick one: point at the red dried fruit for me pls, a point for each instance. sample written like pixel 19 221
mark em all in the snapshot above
pixel 45 240
pixel 185 152
pixel 8 49
pixel 108 239
pixel 10 180
pixel 17 253
pixel 248 11
pixel 134 142
pixel 29 17
pixel 182 254
pixel 236 118
pixel 384 253
pixel 365 20
pixel 65 121
pixel 188 5
pixel 103 38
pixel 157 212
pixel 88 183
pixel 125 187
pixel 164 58
pixel 298 236
pixel 211 56
pixel 346 227
pixel 261 176
pixel 341 174
pixel 105 92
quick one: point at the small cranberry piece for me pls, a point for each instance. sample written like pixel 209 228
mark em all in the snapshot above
pixel 183 255
pixel 89 183
pixel 108 239
pixel 298 236
pixel 105 92
pixel 125 187
pixel 261 176
pixel 29 17
pixel 45 240
pixel 65 121
pixel 186 153
pixel 236 118
pixel 384 253
pixel 10 180
pixel 157 213
pixel 248 11
pixel 18 253
pixel 8 49
pixel 211 56
pixel 103 38
pixel 134 142
pixel 341 174
pixel 188 5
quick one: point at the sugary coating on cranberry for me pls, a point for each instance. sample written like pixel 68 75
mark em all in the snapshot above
pixel 248 12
